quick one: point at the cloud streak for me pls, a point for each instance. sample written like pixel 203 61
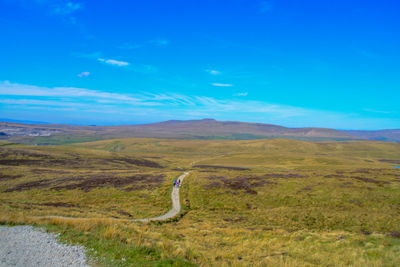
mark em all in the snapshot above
pixel 15 89
pixel 83 74
pixel 113 62
pixel 241 94
pixel 213 72
pixel 94 105
pixel 222 84
pixel 139 68
pixel 162 100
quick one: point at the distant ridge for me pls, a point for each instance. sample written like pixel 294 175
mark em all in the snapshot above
pixel 379 135
pixel 191 129
pixel 22 121
pixel 199 129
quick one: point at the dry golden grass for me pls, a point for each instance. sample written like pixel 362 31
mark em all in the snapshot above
pixel 300 204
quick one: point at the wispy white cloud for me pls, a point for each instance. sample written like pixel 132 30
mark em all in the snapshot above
pixel 170 99
pixel 139 68
pixel 83 74
pixel 241 94
pixel 15 89
pixel 113 62
pixel 91 98
pixel 92 104
pixel 222 84
pixel 213 72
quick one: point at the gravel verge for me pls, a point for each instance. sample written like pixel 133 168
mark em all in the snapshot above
pixel 27 246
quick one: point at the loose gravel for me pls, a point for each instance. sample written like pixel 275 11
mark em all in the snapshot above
pixel 27 246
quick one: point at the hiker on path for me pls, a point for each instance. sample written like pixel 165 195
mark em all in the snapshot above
pixel 175 182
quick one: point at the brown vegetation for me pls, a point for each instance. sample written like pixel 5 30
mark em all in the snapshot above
pixel 138 181
pixel 246 183
pixel 334 176
pixel 139 162
pixel 5 177
pixel 394 234
pixel 6 152
pixel 369 180
pixel 58 204
pixel 52 171
pixel 222 167
pixel 393 161
pixel 283 175
pixel 77 162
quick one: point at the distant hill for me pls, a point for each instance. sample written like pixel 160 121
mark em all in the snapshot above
pixel 380 135
pixel 212 129
pixel 178 129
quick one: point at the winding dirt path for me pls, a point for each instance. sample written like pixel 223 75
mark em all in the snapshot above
pixel 176 208
pixel 176 204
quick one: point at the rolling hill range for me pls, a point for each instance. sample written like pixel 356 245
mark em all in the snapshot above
pixel 176 129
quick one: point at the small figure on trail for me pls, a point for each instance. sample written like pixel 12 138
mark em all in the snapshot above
pixel 175 182
pixel 178 183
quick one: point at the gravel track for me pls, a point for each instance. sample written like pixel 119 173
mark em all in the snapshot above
pixel 26 246
pixel 176 204
pixel 176 208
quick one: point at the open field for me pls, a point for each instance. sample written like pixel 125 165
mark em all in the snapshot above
pixel 259 202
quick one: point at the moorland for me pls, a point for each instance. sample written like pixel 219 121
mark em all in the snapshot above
pixel 267 202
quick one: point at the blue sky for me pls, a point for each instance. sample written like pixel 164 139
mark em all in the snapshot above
pixel 294 63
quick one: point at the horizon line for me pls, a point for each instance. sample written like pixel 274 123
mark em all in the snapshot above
pixel 6 120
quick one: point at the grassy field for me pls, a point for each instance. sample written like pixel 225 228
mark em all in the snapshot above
pixel 259 202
